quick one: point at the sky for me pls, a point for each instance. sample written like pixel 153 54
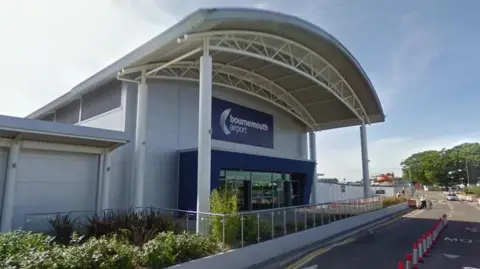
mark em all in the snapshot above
pixel 421 56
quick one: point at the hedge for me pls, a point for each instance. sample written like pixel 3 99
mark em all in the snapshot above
pixel 389 201
pixel 475 190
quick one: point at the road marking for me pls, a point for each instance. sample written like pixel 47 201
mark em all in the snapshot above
pixel 307 258
pixel 450 206
pixel 473 230
pixel 461 240
pixel 467 267
pixel 451 256
pixel 312 267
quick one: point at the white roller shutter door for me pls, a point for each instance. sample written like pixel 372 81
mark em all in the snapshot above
pixel 50 181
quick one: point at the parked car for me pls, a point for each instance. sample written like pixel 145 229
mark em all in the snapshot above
pixel 452 197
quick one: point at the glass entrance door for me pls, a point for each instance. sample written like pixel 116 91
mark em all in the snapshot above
pixel 239 187
pixel 264 190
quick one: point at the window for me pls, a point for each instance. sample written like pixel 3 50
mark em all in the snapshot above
pixel 48 117
pixel 237 175
pixel 262 190
pixel 379 191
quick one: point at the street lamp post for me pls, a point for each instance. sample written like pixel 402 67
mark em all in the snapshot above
pixel 466 171
pixel 410 173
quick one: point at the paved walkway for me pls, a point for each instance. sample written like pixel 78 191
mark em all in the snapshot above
pixel 386 246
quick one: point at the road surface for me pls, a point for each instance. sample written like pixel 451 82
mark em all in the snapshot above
pixel 459 245
pixel 384 247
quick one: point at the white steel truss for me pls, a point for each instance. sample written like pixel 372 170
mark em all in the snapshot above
pixel 239 79
pixel 269 48
pixel 288 54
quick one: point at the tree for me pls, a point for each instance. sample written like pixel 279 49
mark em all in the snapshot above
pixel 461 157
pixel 445 167
pixel 422 167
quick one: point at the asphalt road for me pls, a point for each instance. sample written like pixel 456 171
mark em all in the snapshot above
pixel 386 246
pixel 459 245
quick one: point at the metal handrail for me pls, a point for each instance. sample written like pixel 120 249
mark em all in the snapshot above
pixel 238 230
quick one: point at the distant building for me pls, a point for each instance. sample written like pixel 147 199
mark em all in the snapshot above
pixel 327 180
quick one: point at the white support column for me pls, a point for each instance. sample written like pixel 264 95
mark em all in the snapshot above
pixel 9 192
pixel 313 157
pixel 106 180
pixel 140 143
pixel 204 136
pixel 365 161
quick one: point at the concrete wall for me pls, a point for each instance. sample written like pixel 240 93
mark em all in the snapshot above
pixel 173 126
pixel 258 253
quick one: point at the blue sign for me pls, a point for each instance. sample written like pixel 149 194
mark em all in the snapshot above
pixel 239 124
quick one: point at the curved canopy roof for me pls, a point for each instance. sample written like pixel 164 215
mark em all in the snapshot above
pixel 279 58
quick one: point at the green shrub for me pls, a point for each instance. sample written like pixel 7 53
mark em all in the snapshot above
pixel 251 231
pixel 24 250
pixel 63 226
pixel 389 201
pixel 101 253
pixel 224 201
pixel 475 190
pixel 136 226
pixel 168 249
pixel 16 246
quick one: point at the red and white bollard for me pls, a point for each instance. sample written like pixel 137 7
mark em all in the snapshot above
pixel 432 233
pixel 400 265
pixel 415 256
pixel 435 233
pixel 420 250
pixel 424 246
pixel 429 242
pixel 440 226
pixel 408 262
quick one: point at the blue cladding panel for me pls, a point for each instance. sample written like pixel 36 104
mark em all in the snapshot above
pixel 239 124
pixel 235 161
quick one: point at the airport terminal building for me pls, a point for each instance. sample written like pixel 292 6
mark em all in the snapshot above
pixel 225 97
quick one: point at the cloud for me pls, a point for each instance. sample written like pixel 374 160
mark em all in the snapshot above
pixel 344 160
pixel 50 46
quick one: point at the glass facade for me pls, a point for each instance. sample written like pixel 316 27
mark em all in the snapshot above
pixel 263 190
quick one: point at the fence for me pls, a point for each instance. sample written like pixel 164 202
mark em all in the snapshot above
pixel 233 230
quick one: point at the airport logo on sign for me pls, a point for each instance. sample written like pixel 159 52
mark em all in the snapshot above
pixel 231 124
